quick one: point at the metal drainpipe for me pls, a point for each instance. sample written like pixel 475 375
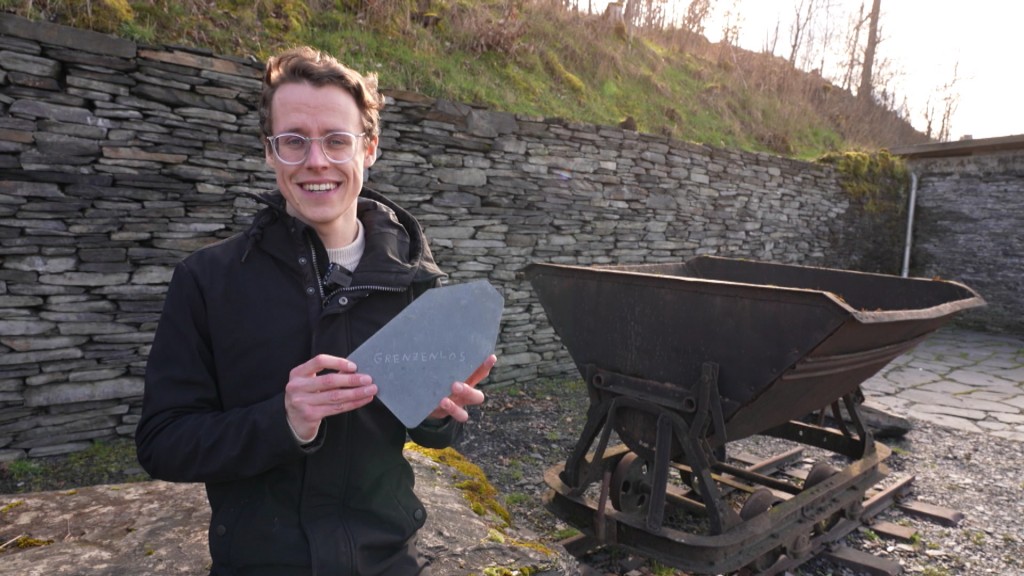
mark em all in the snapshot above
pixel 910 224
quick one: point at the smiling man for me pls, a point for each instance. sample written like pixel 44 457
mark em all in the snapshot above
pixel 248 388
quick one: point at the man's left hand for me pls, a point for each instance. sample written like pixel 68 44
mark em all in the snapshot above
pixel 464 394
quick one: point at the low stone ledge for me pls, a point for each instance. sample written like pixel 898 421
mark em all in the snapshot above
pixel 160 528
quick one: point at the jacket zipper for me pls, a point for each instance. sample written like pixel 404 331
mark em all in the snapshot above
pixel 325 297
pixel 316 268
pixel 368 287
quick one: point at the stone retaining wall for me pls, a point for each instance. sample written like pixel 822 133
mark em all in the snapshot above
pixel 117 160
pixel 969 214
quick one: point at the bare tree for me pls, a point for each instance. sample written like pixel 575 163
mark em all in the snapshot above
pixel 853 48
pixel 645 14
pixel 950 102
pixel 821 45
pixel 630 12
pixel 771 41
pixel 812 34
pixel 929 118
pixel 731 24
pixel 864 92
pixel 696 15
pixel 802 17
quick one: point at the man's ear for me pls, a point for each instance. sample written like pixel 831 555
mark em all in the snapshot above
pixel 371 151
pixel 268 155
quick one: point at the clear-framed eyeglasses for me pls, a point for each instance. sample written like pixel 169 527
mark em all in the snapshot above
pixel 338 147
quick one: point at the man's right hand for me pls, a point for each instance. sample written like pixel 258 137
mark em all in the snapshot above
pixel 324 386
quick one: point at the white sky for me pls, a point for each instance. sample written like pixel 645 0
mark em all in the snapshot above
pixel 924 39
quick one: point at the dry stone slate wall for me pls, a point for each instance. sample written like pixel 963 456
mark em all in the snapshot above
pixel 967 221
pixel 117 160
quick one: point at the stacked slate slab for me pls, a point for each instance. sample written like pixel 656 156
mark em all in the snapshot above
pixel 117 160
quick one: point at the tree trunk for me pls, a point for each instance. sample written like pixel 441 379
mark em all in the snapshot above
pixel 864 93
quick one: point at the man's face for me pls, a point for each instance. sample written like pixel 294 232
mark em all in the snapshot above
pixel 319 192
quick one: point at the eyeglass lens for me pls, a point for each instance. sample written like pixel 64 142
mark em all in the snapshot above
pixel 338 147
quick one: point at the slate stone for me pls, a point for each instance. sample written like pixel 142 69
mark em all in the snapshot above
pixel 491 124
pixel 33 81
pixel 64 145
pixel 201 62
pixel 15 91
pixel 56 177
pixel 59 112
pixel 87 59
pixel 36 263
pixel 54 394
pixel 34 65
pixel 97 85
pixel 24 327
pixel 17 44
pixel 253 84
pixel 30 344
pixel 15 358
pixel 79 39
pixel 437 340
pixel 84 279
pixel 79 130
pixel 461 176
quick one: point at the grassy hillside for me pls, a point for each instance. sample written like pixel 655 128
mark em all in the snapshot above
pixel 525 56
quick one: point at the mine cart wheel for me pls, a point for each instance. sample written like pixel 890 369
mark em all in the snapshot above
pixel 759 502
pixel 630 490
pixel 820 472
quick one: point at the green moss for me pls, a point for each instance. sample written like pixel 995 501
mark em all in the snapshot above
pixel 555 67
pixel 565 533
pixel 877 180
pixel 27 542
pixel 517 498
pixel 101 15
pixel 22 470
pixel 483 498
pixel 103 462
pixel 7 508
pixel 502 571
pixel 478 491
pixel 660 569
pixel 876 184
pixel 533 546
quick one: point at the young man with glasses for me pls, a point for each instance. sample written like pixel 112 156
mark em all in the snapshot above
pixel 247 385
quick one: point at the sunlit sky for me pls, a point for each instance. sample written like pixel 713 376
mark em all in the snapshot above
pixel 924 39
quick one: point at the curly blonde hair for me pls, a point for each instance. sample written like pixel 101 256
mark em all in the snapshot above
pixel 311 66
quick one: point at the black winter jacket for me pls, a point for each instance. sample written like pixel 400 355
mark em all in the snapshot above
pixel 239 315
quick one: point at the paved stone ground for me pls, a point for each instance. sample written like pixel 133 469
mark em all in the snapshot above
pixel 971 381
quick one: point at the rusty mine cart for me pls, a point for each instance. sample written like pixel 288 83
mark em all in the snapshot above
pixel 681 359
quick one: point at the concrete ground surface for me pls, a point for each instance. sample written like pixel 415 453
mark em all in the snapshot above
pixel 968 380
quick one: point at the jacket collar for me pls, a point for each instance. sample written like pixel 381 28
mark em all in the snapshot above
pixel 397 252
